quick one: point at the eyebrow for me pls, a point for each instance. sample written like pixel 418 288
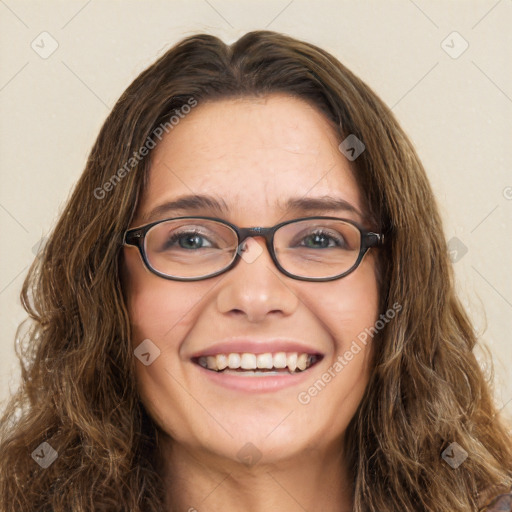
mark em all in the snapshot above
pixel 321 204
pixel 189 203
pixel 198 203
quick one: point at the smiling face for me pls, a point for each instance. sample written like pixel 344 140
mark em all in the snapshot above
pixel 252 155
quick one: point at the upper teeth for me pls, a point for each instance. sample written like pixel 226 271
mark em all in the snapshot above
pixel 247 361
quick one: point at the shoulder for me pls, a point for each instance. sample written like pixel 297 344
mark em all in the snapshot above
pixel 498 503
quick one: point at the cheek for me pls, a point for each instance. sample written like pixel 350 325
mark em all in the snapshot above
pixel 349 305
pixel 348 309
pixel 160 311
pixel 155 305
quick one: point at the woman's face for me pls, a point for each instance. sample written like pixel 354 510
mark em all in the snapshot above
pixel 252 155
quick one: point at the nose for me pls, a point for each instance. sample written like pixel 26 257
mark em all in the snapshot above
pixel 255 287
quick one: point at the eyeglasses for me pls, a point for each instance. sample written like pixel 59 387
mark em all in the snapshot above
pixel 197 248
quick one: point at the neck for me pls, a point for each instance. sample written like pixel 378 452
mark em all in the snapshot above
pixel 198 481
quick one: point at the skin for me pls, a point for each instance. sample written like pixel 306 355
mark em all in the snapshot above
pixel 252 153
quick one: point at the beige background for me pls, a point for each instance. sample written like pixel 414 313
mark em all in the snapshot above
pixel 457 109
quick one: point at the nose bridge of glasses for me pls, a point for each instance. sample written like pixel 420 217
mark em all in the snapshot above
pixel 244 233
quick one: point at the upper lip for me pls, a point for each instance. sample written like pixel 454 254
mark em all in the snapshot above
pixel 256 346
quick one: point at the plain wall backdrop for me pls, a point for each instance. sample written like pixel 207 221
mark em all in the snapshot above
pixel 444 67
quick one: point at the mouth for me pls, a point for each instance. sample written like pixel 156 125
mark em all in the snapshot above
pixel 259 365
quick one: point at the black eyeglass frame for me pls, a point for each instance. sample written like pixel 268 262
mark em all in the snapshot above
pixel 135 237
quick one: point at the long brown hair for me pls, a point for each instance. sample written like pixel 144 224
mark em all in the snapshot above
pixel 78 389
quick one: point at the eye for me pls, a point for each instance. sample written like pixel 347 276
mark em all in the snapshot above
pixel 191 239
pixel 320 239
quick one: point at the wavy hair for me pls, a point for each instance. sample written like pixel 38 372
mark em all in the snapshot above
pixel 78 391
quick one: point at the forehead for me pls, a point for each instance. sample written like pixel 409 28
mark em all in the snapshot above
pixel 253 154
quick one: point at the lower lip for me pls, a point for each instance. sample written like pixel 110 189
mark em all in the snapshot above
pixel 258 383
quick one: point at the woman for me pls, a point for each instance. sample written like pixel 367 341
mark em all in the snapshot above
pixel 178 360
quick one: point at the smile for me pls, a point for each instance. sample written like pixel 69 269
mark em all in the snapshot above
pixel 259 365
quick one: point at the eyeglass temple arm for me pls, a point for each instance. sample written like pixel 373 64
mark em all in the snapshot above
pixel 132 237
pixel 372 239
